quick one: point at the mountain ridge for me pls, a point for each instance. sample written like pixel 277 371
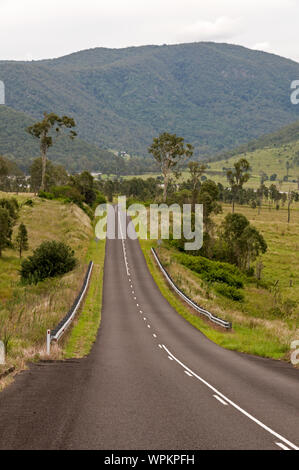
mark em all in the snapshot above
pixel 217 96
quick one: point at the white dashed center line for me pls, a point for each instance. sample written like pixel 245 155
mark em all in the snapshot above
pixel 220 399
pixel 230 402
pixel 188 373
pixel 282 446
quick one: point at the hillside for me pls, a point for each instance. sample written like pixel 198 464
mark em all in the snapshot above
pixel 216 95
pixel 285 135
pixel 276 153
pixel 28 310
pixel 21 148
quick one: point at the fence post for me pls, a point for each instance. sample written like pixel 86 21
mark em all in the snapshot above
pixel 2 353
pixel 48 342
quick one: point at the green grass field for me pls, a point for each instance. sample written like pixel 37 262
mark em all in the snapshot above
pixel 269 160
pixel 85 328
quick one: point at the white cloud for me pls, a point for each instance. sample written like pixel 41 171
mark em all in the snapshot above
pixel 219 29
pixel 31 28
pixel 262 46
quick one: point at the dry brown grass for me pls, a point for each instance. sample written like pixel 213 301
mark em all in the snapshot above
pixel 26 312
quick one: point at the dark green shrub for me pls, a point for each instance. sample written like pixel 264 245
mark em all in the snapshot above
pixel 100 199
pixel 12 207
pixel 45 195
pixel 213 271
pixel 29 203
pixel 221 275
pixel 229 292
pixel 69 193
pixel 50 259
pixel 88 211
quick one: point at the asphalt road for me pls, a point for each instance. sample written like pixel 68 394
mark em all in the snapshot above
pixel 151 382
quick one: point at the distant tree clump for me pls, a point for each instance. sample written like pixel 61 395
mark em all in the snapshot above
pixel 196 171
pixel 42 131
pixel 8 216
pixel 84 184
pixel 50 259
pixel 5 230
pixel 243 242
pixel 237 178
pixel 3 172
pixel 169 151
pixel 21 242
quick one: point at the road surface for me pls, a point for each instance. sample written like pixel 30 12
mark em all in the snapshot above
pixel 152 381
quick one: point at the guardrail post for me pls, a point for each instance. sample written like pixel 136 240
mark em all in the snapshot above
pixel 48 342
pixel 2 353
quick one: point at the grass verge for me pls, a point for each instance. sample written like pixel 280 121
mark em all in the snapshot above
pixel 27 311
pixel 247 336
pixel 85 328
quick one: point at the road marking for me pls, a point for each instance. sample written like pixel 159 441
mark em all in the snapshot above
pixel 148 326
pixel 154 335
pixel 282 446
pixel 170 358
pixel 248 415
pixel 123 245
pixel 160 346
pixel 188 373
pixel 133 292
pixel 137 305
pixel 140 311
pixel 220 399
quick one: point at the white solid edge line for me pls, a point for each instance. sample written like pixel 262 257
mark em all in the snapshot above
pixel 259 423
pixel 220 399
pixel 282 446
pixel 121 231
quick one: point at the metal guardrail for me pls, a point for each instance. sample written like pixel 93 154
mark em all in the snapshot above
pixel 60 329
pixel 218 321
pixel 2 353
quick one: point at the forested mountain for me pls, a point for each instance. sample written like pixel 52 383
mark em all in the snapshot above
pixel 216 96
pixel 76 155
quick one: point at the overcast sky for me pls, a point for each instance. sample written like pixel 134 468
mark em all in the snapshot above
pixel 35 29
